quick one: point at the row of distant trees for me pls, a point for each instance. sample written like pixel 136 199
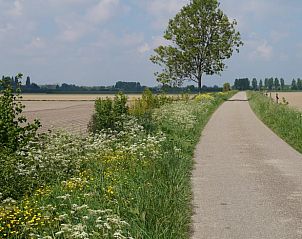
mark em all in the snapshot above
pixel 28 86
pixel 267 84
pixel 127 87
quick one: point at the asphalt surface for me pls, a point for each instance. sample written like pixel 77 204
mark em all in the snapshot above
pixel 247 182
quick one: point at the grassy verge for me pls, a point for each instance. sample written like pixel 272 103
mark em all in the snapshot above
pixel 283 120
pixel 131 183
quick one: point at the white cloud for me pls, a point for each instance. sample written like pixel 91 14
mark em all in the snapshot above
pixel 37 43
pixel 75 25
pixel 159 7
pixel 17 9
pixel 101 12
pixel 159 41
pixel 161 11
pixel 132 39
pixel 265 51
pixel 279 35
pixel 144 48
pixel 259 49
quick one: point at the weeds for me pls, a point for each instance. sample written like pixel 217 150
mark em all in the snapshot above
pixel 283 120
pixel 128 182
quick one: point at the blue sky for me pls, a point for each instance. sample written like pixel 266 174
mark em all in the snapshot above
pixel 98 42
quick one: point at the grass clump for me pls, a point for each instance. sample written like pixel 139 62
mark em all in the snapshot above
pixel 128 182
pixel 282 119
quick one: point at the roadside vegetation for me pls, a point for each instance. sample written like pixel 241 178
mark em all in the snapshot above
pixel 130 178
pixel 282 119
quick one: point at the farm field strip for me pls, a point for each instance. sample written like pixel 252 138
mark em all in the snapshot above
pixel 294 98
pixel 62 112
pixel 70 97
pixel 70 112
pixel 64 116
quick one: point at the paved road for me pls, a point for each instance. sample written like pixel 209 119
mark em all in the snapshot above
pixel 247 182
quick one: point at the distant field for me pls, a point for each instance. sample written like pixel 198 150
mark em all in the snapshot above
pixel 70 112
pixel 294 98
pixel 70 97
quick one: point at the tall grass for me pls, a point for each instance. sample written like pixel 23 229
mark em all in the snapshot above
pixel 283 120
pixel 133 183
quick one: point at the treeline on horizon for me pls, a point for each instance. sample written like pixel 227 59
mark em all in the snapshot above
pixel 135 87
pixel 126 87
pixel 267 84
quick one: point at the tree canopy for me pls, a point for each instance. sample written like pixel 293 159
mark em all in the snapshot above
pixel 202 37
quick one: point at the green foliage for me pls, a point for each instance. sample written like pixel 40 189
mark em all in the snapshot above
pixel 142 108
pixel 14 132
pixel 283 120
pixel 201 37
pixel 242 84
pixel 254 84
pixel 109 114
pixel 261 85
pixel 276 84
pixel 128 184
pixel 226 87
pixel 294 85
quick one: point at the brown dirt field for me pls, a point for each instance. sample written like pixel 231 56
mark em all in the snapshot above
pixel 68 112
pixel 69 116
pixel 293 98
pixel 70 97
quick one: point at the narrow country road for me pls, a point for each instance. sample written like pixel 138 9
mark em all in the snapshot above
pixel 247 182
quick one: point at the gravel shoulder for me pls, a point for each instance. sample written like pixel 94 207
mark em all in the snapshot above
pixel 247 182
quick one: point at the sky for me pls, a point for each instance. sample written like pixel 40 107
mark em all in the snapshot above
pixel 99 42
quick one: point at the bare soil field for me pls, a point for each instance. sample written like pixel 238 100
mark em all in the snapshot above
pixel 70 97
pixel 70 112
pixel 293 98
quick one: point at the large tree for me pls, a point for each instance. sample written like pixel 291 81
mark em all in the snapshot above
pixel 202 37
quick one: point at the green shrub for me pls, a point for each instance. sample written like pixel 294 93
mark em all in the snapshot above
pixel 109 114
pixel 14 132
pixel 142 108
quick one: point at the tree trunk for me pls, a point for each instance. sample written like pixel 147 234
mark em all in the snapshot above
pixel 199 83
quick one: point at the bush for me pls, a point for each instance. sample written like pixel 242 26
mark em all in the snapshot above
pixel 109 114
pixel 14 132
pixel 142 108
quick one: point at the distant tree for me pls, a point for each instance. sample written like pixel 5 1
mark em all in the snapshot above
pixel 128 86
pixel 270 83
pixel 277 84
pixel 299 84
pixel 266 83
pixel 282 83
pixel 242 84
pixel 34 86
pixel 236 84
pixel 191 88
pixel 294 85
pixel 27 84
pixel 254 84
pixel 226 87
pixel 17 82
pixel 260 85
pixel 202 37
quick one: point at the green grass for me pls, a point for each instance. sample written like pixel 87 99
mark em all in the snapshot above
pixel 283 120
pixel 128 184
